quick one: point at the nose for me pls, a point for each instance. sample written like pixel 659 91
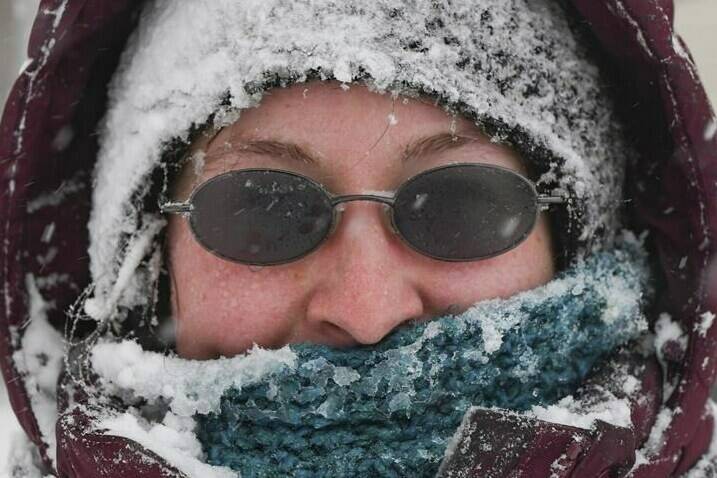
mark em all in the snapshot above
pixel 365 287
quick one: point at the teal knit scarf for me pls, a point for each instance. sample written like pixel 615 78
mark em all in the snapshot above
pixel 390 409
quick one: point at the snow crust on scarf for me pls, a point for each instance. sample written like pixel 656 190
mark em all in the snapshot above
pixel 516 62
pixel 616 279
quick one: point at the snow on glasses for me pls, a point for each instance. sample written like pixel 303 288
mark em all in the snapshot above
pixel 458 212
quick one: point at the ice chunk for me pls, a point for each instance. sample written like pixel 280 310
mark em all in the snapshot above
pixel 345 376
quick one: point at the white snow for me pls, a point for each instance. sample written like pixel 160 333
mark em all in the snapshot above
pixel 55 197
pixel 656 439
pixel 39 360
pixel 136 252
pixel 569 411
pixel 10 431
pixel 173 440
pixel 492 334
pixel 622 12
pixel 620 301
pixel 63 138
pixel 677 46
pixel 631 385
pixel 460 437
pixel 191 386
pixel 25 65
pixel 705 242
pixel 667 330
pixel 57 13
pixel 705 323
pixel 21 458
pixel 48 232
pixel 345 376
pixel 198 160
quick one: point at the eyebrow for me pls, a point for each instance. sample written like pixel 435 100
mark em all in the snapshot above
pixel 271 148
pixel 415 150
pixel 437 143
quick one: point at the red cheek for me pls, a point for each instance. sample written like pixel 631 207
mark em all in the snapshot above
pixel 222 308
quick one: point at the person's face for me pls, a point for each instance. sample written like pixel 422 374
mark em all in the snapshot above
pixel 363 281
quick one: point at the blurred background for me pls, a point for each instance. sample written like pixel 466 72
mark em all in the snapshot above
pixel 696 21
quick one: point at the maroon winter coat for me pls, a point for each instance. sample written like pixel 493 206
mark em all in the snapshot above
pixel 47 151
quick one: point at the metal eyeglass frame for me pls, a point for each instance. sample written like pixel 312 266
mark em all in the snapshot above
pixel 185 208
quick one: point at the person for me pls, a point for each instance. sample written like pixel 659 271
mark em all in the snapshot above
pixel 372 223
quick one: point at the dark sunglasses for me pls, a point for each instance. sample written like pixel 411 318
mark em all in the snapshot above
pixel 459 212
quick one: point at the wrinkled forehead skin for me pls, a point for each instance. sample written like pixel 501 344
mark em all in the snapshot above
pixel 48 148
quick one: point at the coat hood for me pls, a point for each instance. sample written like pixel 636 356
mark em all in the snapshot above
pixel 48 148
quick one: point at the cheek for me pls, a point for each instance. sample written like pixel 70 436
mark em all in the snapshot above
pixel 527 266
pixel 221 308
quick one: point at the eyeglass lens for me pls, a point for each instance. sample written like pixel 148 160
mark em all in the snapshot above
pixel 260 216
pixel 465 212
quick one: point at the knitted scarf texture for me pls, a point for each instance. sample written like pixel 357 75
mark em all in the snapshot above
pixel 391 409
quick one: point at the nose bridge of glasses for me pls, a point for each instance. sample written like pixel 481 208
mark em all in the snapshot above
pixel 389 201
pixel 340 200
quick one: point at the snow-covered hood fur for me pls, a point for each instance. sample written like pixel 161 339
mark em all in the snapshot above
pixel 48 147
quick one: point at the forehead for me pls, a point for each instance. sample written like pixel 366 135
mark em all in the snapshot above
pixel 325 111
pixel 348 135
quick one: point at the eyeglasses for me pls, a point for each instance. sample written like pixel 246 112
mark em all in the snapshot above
pixel 458 212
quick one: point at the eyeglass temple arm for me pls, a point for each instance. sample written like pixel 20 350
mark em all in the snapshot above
pixel 176 207
pixel 543 199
